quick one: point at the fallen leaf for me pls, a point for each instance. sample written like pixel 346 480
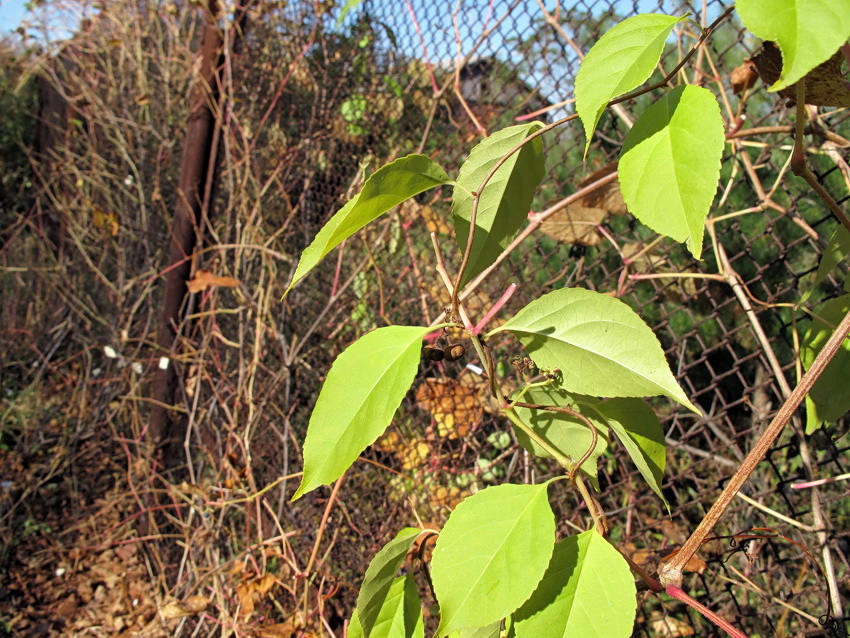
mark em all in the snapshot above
pixel 191 606
pixel 252 591
pixel 454 406
pixel 204 279
pixel 578 222
pixel 670 627
pixel 825 85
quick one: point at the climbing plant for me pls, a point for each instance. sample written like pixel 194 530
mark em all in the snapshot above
pixel 497 567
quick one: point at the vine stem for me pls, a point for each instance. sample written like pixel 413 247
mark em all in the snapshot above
pixel 679 594
pixel 670 573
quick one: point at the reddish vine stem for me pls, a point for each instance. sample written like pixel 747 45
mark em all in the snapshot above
pixel 670 573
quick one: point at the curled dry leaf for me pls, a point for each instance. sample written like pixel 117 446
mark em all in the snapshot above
pixel 578 222
pixel 455 406
pixel 251 592
pixel 189 607
pixel 825 85
pixel 204 279
pixel 743 78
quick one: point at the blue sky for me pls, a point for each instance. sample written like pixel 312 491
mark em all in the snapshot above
pixel 11 13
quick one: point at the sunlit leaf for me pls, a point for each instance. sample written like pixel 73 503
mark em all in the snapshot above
pixel 601 347
pixel 400 615
pixel 620 61
pixel 808 31
pixel 506 199
pixel 379 577
pixel 491 554
pixel 670 164
pixel 588 591
pixel 364 387
pixel 638 428
pixel 386 188
pixel 570 436
pixel 829 398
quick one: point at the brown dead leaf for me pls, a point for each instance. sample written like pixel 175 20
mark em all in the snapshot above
pixel 189 607
pixel 252 591
pixel 455 406
pixel 670 627
pixel 577 223
pixel 743 78
pixel 825 85
pixel 279 630
pixel 204 279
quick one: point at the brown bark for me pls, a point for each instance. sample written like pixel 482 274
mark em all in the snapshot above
pixel 166 425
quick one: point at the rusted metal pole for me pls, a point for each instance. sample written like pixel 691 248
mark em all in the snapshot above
pixel 189 213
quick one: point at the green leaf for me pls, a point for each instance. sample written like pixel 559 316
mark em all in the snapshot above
pixel 505 201
pixel 355 629
pixel 670 164
pixel 349 5
pixel 622 60
pixel 599 344
pixel 837 250
pixel 380 576
pixel 365 386
pixel 829 398
pixel 386 188
pixel 808 32
pixel 490 631
pixel 570 436
pixel 588 591
pixel 400 616
pixel 638 428
pixel 491 554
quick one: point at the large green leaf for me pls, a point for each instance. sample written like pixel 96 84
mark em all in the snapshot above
pixel 365 386
pixel 379 578
pixel 570 436
pixel 829 398
pixel 639 430
pixel 808 32
pixel 588 591
pixel 386 188
pixel 670 164
pixel 599 344
pixel 491 554
pixel 400 616
pixel 506 198
pixel 490 631
pixel 620 61
pixel 836 251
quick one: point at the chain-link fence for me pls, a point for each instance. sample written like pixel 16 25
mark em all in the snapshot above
pixel 317 98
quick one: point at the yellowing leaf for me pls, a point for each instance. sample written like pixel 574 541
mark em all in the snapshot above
pixel 204 279
pixel 413 454
pixel 455 407
pixel 105 222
